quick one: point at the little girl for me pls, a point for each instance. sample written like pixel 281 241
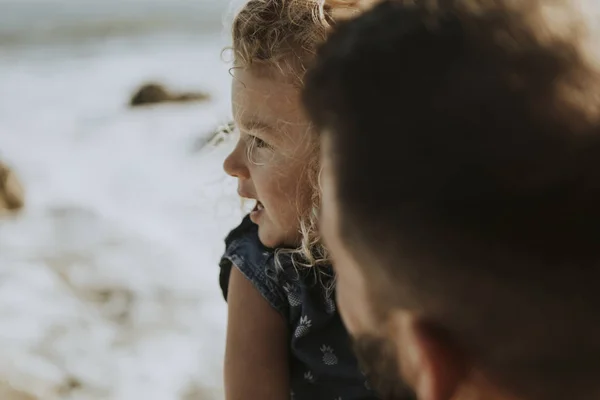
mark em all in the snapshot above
pixel 285 338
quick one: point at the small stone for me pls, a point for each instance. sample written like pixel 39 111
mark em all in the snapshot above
pixel 12 196
pixel 155 93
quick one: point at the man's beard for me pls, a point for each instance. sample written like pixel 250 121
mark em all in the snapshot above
pixel 377 358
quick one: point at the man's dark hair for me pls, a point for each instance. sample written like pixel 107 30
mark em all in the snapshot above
pixel 466 154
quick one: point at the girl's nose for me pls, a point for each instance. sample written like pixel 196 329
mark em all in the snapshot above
pixel 235 163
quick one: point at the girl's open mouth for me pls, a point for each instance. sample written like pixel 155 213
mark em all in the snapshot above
pixel 256 212
pixel 258 207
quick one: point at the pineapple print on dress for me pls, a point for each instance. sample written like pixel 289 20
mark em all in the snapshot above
pixel 308 376
pixel 304 327
pixel 329 304
pixel 329 357
pixel 292 295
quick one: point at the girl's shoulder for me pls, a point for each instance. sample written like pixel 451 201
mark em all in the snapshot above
pixel 283 283
pixel 244 250
pixel 322 360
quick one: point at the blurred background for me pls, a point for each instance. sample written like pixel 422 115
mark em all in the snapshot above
pixel 109 255
pixel 109 272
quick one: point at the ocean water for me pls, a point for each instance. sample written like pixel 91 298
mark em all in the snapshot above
pixel 24 22
pixel 108 278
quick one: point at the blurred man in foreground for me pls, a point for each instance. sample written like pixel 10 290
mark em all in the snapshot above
pixel 461 150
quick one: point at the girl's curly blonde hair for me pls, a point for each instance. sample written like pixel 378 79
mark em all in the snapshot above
pixel 280 38
pixel 283 35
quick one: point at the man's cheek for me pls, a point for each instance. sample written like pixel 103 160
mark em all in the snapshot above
pixel 346 309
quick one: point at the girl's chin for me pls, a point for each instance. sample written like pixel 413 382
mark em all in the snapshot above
pixel 256 216
pixel 273 239
pixel 267 240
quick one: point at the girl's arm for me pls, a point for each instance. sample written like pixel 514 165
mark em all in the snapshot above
pixel 257 349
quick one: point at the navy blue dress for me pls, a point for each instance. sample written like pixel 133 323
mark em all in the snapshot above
pixel 322 365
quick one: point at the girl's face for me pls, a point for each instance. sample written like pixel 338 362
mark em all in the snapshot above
pixel 271 159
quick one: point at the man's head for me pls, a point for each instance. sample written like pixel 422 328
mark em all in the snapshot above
pixel 461 192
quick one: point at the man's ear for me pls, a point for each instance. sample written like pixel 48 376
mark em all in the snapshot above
pixel 430 362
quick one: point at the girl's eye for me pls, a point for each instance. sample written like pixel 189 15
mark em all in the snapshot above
pixel 255 146
pixel 258 142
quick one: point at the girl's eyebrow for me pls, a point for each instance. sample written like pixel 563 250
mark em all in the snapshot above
pixel 252 124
